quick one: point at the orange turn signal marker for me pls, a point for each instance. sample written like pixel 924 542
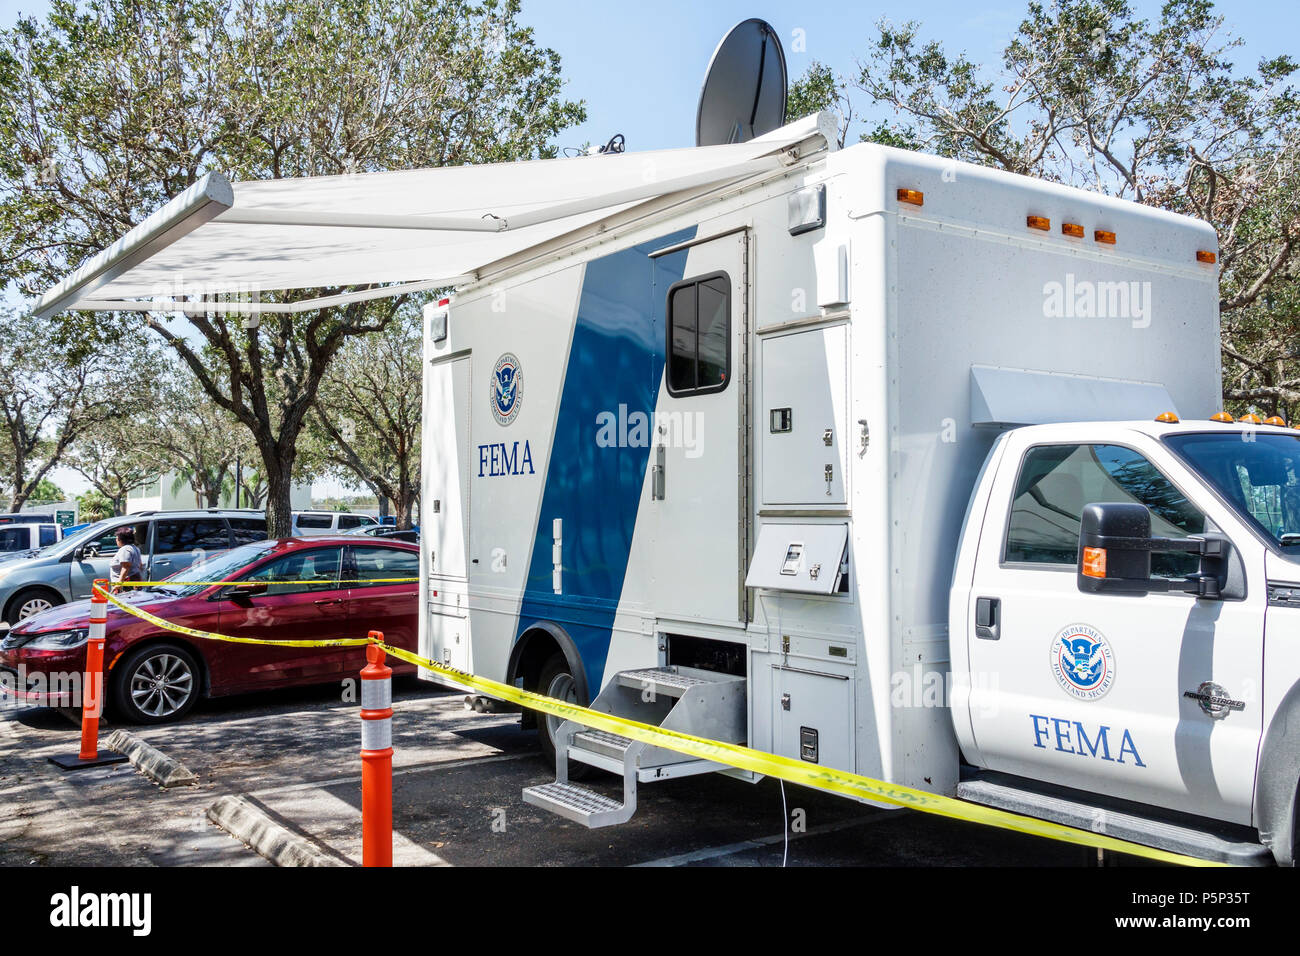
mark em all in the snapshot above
pixel 1251 418
pixel 1101 235
pixel 1038 222
pixel 1168 418
pixel 1072 229
pixel 1207 257
pixel 1223 417
pixel 1276 420
pixel 1094 562
pixel 915 197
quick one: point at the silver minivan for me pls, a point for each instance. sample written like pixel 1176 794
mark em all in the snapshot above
pixel 169 541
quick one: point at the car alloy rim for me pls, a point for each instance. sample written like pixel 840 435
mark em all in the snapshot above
pixel 33 606
pixel 161 685
pixel 565 688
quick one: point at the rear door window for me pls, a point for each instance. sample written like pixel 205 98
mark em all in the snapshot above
pixel 247 530
pixel 376 566
pixel 189 534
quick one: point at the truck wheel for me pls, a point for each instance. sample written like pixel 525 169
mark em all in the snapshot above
pixel 556 680
pixel 156 684
pixel 32 601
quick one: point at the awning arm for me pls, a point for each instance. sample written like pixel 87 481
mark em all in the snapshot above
pixel 203 201
pixel 254 307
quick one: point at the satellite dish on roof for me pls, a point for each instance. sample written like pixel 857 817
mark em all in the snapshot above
pixel 744 89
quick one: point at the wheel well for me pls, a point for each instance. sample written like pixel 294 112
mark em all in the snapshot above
pixel 205 684
pixel 535 647
pixel 28 590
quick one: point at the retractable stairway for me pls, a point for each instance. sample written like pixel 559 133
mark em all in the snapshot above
pixel 687 699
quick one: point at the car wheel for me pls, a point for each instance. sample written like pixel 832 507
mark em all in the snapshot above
pixel 156 684
pixel 31 602
pixel 557 681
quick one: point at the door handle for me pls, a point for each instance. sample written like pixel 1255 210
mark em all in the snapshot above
pixel 988 618
pixel 330 601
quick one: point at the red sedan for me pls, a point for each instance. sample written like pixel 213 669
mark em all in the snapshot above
pixel 154 675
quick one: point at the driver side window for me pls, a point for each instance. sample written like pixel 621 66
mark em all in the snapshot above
pixel 1055 483
pixel 318 568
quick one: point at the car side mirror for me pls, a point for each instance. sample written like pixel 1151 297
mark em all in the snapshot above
pixel 1115 547
pixel 243 593
pixel 79 553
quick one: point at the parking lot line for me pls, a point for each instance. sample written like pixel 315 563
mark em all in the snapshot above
pixel 711 853
pixel 415 768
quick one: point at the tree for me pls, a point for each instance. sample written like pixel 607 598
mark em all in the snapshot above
pixel 51 394
pixel 94 506
pixel 367 414
pixel 114 107
pixel 47 492
pixel 193 437
pixel 1095 97
pixel 820 89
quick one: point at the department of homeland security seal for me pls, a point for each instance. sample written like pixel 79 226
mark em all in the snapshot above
pixel 1082 662
pixel 506 389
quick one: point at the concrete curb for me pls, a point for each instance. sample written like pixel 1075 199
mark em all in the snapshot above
pixel 153 763
pixel 255 827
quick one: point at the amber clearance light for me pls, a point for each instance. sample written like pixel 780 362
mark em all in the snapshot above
pixel 1094 562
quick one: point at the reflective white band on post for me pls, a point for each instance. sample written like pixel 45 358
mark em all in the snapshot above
pixel 377 734
pixel 376 694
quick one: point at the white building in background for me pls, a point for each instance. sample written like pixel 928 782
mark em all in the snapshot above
pixel 159 495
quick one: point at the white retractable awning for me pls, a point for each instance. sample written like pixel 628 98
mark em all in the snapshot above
pixel 423 227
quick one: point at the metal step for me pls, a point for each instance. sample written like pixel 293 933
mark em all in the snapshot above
pixel 684 699
pixel 579 804
pixel 659 680
pixel 1056 805
pixel 602 742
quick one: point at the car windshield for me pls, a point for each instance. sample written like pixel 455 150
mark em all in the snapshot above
pixel 221 567
pixel 1258 473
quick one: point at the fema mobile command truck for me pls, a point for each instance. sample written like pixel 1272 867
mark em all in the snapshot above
pixel 816 457
pixel 873 460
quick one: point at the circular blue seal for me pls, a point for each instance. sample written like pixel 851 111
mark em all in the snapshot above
pixel 1082 662
pixel 506 389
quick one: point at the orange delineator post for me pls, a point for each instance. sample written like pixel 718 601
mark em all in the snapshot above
pixel 92 687
pixel 376 758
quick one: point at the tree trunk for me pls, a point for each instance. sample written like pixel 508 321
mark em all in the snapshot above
pixel 279 508
pixel 383 505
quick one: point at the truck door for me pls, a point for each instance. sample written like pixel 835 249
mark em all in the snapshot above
pixel 1091 690
pixel 699 462
pixel 445 512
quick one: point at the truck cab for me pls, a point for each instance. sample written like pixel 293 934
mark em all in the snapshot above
pixel 1153 673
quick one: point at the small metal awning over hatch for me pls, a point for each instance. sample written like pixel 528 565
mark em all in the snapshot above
pixel 1015 396
pixel 799 557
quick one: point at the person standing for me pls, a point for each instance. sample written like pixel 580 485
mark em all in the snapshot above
pixel 127 565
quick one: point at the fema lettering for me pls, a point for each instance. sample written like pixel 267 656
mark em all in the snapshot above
pixel 499 459
pixel 1070 737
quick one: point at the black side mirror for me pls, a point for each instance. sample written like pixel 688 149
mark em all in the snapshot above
pixel 1115 546
pixel 1115 549
pixel 241 593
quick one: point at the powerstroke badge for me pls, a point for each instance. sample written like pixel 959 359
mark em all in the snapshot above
pixel 1082 662
pixel 1214 700
pixel 507 389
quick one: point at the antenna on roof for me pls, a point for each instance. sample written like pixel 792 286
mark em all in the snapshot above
pixel 744 88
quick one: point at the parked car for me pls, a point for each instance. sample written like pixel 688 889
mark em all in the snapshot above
pixel 26 517
pixel 27 537
pixel 307 523
pixel 387 531
pixel 156 675
pixel 169 541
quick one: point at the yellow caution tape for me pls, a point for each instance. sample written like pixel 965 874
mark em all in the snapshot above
pixel 733 755
pixel 250 584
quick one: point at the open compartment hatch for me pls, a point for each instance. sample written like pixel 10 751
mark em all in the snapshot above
pixel 811 558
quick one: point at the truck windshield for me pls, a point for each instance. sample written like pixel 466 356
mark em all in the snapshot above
pixel 1258 473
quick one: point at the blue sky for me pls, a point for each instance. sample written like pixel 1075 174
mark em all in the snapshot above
pixel 639 66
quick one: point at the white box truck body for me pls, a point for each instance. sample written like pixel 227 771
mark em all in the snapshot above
pixel 765 445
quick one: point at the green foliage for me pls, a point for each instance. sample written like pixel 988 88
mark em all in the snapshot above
pixel 93 506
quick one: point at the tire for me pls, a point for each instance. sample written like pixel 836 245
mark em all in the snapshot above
pixel 32 601
pixel 156 684
pixel 556 680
